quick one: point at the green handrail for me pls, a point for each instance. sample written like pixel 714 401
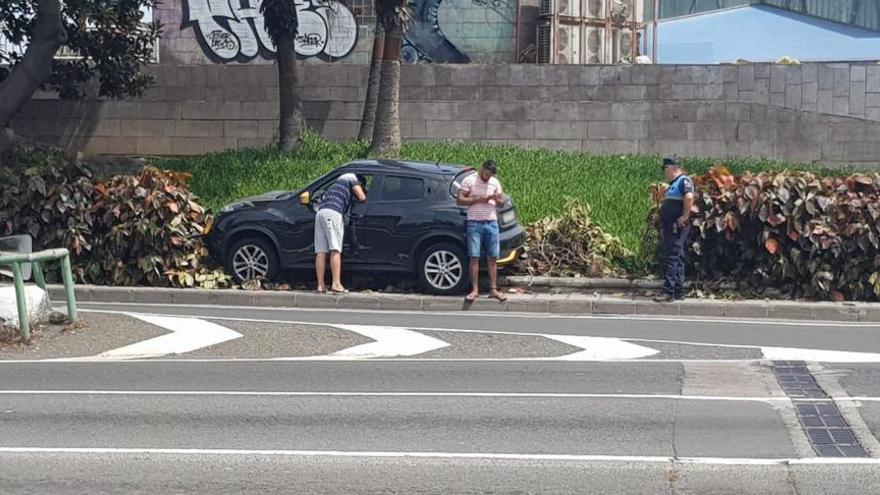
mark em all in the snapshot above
pixel 15 261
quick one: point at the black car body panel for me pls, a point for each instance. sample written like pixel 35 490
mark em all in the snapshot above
pixel 409 206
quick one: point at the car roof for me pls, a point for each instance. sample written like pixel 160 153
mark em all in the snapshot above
pixel 434 168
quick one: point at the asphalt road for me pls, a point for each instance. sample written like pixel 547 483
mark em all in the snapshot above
pixel 837 336
pixel 698 417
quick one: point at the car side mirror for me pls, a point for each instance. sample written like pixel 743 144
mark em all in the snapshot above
pixel 305 199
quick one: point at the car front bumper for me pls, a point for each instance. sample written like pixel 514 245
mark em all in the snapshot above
pixel 512 242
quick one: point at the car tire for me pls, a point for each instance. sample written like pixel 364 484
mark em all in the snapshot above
pixel 443 269
pixel 252 257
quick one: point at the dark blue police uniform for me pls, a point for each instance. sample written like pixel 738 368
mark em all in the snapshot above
pixel 674 236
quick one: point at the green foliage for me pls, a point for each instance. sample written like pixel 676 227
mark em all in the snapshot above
pixel 130 230
pixel 807 235
pixel 281 18
pixel 109 40
pixel 394 15
pixel 540 181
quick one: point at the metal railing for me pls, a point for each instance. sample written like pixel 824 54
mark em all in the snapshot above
pixel 15 261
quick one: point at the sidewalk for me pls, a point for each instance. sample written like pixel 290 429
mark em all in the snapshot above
pixel 576 304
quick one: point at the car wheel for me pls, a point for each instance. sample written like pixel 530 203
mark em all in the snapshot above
pixel 443 269
pixel 252 258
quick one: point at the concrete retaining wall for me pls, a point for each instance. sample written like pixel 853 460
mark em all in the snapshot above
pixel 827 113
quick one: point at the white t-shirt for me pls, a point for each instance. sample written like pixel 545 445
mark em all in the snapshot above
pixel 474 186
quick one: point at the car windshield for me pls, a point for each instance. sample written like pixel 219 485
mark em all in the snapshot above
pixel 456 183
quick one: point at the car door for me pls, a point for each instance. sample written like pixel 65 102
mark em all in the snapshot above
pixel 396 216
pixel 297 238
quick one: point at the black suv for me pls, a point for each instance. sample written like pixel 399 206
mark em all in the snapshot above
pixel 410 223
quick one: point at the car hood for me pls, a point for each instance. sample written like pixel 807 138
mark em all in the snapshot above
pixel 261 198
pixel 269 196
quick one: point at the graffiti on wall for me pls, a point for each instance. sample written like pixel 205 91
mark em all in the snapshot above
pixel 429 40
pixel 234 29
pixel 425 41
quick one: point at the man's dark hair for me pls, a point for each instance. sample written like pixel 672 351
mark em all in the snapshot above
pixel 490 166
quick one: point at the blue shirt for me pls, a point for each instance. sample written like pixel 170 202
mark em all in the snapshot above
pixel 673 206
pixel 680 187
pixel 338 196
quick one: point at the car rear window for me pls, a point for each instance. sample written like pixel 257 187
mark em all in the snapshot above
pixel 455 187
pixel 395 188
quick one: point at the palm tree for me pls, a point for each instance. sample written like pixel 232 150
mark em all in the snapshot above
pixel 394 17
pixel 368 119
pixel 282 24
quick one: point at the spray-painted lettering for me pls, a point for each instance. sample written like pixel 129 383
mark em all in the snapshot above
pixel 234 29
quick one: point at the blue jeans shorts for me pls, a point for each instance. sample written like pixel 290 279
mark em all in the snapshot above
pixel 482 239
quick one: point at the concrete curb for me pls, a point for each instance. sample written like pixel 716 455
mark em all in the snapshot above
pixel 575 304
pixel 588 283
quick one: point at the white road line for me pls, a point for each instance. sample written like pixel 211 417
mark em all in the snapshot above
pixel 818 355
pixel 496 315
pixel 501 395
pixel 600 348
pixel 542 360
pixel 444 455
pixel 187 335
pixel 388 342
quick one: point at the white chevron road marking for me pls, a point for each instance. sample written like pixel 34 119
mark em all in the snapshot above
pixel 600 348
pixel 388 342
pixel 187 335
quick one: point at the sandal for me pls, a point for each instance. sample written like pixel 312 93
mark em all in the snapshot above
pixel 470 298
pixel 343 291
pixel 496 294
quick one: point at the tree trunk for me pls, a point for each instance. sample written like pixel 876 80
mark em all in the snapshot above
pixel 292 121
pixel 368 119
pixel 35 66
pixel 386 135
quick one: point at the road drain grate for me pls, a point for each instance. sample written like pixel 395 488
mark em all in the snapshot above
pixel 827 430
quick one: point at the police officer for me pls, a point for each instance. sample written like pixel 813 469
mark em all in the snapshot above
pixel 675 219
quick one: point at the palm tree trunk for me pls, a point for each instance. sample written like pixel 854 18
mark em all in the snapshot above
pixel 292 120
pixel 386 135
pixel 368 119
pixel 35 66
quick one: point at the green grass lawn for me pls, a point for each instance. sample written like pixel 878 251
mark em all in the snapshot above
pixel 540 181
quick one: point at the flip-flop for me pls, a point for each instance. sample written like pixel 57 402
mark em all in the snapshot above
pixel 471 298
pixel 498 296
pixel 343 291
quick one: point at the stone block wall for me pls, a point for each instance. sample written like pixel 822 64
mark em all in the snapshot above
pixel 814 113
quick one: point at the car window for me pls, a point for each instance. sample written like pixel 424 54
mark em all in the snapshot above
pixel 397 188
pixel 456 183
pixel 319 192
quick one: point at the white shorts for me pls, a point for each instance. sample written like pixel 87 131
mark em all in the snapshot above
pixel 329 230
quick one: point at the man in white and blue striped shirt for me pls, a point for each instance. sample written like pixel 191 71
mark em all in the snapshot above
pixel 330 228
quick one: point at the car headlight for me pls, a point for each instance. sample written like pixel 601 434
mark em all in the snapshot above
pixel 235 206
pixel 508 217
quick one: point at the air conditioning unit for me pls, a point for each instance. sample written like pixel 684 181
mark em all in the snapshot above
pixel 568 44
pixel 559 43
pixel 565 8
pixel 594 45
pixel 595 9
pixel 627 11
pixel 622 49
